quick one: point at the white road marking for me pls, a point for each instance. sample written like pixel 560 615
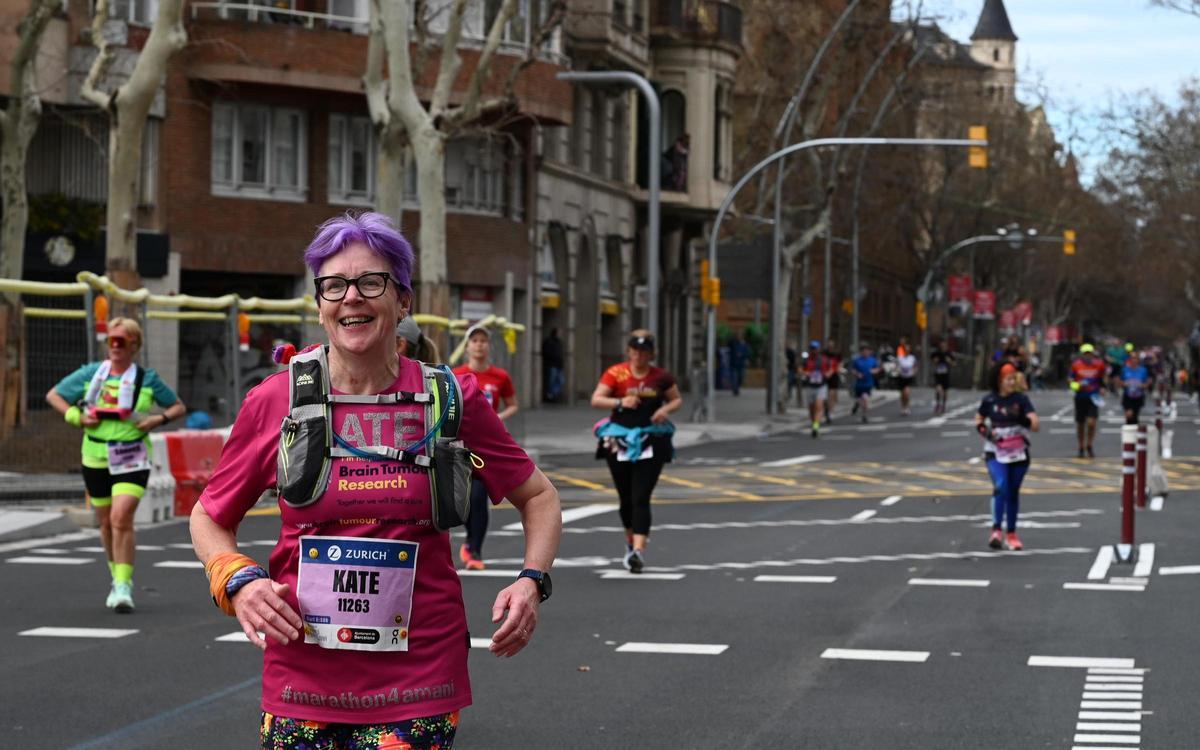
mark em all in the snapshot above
pixel 974 460
pixel 1179 570
pixel 51 560
pixel 862 654
pixel 1098 676
pixel 626 575
pixel 899 436
pixel 1080 662
pixel 1130 739
pixel 1103 587
pixel 968 582
pixel 1127 671
pixel 863 515
pixel 1061 431
pixel 237 637
pixel 872 427
pixel 1111 715
pixel 891 500
pixel 100 549
pixel 1098 695
pixel 489 573
pixel 1132 705
pixel 956 434
pixel 50 551
pixel 1128 687
pixel 1107 726
pixel 179 564
pixel 1156 502
pixel 704 649
pixel 572 514
pixel 795 579
pixel 1100 567
pixel 174 545
pixel 481 642
pixel 1145 560
pixel 811 458
pixel 151 547
pixel 1130 580
pixel 50 632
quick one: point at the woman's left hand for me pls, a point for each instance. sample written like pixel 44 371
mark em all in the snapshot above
pixel 149 423
pixel 520 600
pixel 659 416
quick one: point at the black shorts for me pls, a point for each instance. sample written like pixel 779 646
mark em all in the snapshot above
pixel 835 382
pixel 1129 403
pixel 99 483
pixel 1085 408
pixel 903 383
pixel 942 380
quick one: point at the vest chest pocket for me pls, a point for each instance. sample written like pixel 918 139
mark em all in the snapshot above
pixel 450 483
pixel 302 448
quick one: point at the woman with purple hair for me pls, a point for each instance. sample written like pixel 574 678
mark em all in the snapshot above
pixel 393 668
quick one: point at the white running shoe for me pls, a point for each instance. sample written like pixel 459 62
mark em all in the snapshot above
pixel 121 597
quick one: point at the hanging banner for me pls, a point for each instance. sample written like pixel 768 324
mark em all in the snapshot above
pixel 958 288
pixel 984 304
pixel 1008 321
pixel 1023 311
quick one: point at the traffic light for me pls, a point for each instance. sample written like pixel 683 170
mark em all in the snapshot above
pixel 710 286
pixel 922 317
pixel 977 156
pixel 1068 242
pixel 714 291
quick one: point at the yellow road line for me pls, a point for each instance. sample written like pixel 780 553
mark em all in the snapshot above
pixel 767 479
pixel 682 482
pixel 272 511
pixel 578 482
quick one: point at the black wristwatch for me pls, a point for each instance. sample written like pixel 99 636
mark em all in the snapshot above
pixel 545 587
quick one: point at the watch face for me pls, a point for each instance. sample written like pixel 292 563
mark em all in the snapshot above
pixel 547 586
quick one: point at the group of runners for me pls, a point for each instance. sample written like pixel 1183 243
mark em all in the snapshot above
pixel 323 636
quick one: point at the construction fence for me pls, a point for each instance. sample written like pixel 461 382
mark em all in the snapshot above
pixel 210 350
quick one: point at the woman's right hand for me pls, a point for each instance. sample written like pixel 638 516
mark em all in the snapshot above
pixel 261 608
pixel 631 402
pixel 88 418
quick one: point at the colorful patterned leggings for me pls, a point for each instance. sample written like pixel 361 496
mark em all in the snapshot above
pixel 428 733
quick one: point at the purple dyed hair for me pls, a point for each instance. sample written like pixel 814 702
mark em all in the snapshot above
pixel 376 231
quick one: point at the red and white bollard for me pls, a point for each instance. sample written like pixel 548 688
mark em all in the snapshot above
pixel 1142 460
pixel 1158 422
pixel 1124 550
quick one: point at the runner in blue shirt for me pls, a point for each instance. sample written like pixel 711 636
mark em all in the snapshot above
pixel 1134 380
pixel 864 368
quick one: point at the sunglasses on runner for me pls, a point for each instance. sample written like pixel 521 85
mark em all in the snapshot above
pixel 117 342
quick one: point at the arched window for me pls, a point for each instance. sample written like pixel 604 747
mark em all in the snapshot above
pixel 996 55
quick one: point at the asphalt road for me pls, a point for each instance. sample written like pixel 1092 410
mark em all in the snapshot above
pixel 887 623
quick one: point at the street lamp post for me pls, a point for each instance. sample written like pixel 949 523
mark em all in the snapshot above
pixel 653 190
pixel 710 405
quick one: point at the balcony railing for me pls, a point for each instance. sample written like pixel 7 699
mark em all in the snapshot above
pixel 707 20
pixel 349 15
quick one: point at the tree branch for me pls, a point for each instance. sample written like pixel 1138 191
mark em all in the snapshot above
pixel 451 62
pixel 401 94
pixel 99 69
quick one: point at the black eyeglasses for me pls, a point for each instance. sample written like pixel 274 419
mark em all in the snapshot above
pixel 334 288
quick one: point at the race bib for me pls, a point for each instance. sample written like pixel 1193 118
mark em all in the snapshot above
pixel 126 458
pixel 816 377
pixel 647 452
pixel 941 368
pixel 355 593
pixel 1010 448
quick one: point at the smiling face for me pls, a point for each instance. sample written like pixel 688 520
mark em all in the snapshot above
pixel 355 324
pixel 122 346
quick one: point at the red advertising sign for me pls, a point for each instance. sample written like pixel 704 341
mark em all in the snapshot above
pixel 1023 311
pixel 959 288
pixel 1008 320
pixel 984 304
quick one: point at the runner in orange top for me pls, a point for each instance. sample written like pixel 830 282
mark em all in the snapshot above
pixel 1087 381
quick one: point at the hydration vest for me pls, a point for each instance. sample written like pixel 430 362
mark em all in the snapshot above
pixel 308 445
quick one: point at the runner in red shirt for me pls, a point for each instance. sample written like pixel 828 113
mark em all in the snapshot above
pixel 1087 381
pixel 497 388
pixel 639 395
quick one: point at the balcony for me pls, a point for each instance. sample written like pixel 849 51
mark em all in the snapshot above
pixel 706 21
pixel 353 16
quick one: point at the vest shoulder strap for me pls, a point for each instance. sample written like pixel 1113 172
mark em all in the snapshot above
pixel 447 398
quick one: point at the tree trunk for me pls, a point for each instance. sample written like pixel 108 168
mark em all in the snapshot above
pixel 125 161
pixel 390 172
pixel 429 149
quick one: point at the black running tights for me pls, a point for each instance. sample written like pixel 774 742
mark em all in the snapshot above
pixel 635 482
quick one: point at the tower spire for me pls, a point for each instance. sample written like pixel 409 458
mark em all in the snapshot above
pixel 993 23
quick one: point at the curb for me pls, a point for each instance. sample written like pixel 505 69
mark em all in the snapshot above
pixel 20 525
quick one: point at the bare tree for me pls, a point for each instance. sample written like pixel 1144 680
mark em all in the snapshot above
pixel 407 125
pixel 1191 7
pixel 127 107
pixel 18 124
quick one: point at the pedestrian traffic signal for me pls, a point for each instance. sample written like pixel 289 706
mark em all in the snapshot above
pixel 714 291
pixel 977 156
pixel 710 286
pixel 922 317
pixel 1068 242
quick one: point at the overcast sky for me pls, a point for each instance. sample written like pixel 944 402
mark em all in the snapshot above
pixel 1086 51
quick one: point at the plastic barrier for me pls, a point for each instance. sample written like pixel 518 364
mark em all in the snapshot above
pixel 194 455
pixel 158 504
pixel 1156 476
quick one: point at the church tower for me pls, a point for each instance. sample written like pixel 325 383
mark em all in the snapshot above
pixel 994 44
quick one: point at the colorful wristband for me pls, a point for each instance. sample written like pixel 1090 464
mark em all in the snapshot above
pixel 73 416
pixel 221 569
pixel 242 577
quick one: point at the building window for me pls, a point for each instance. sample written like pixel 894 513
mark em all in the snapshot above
pixel 674 116
pixel 477 171
pixel 996 55
pixel 722 131
pixel 618 139
pixel 597 123
pixel 620 14
pixel 136 12
pixel 639 16
pixel 578 127
pixel 352 155
pixel 259 152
